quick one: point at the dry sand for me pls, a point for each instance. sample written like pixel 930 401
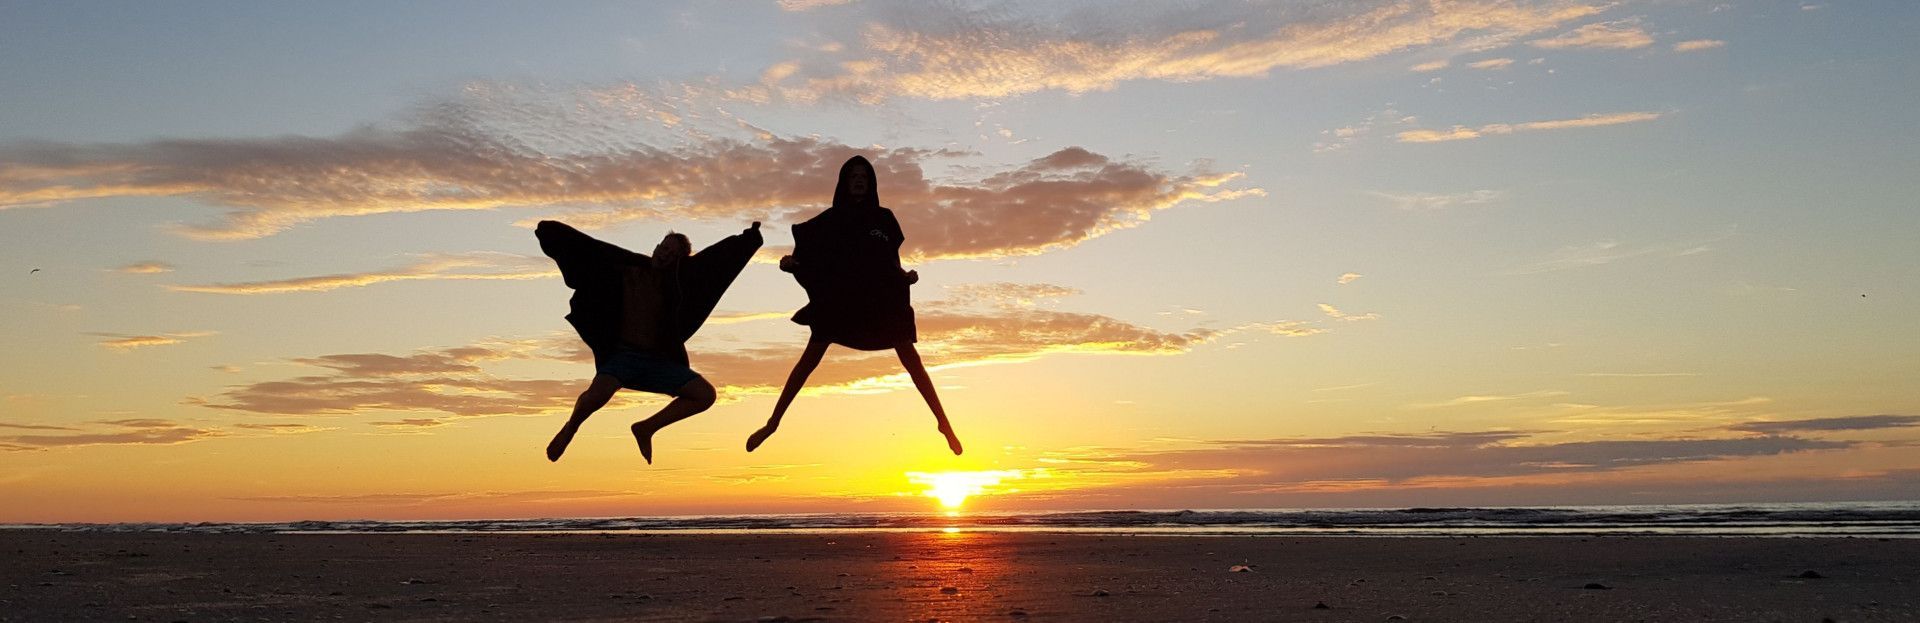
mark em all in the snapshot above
pixel 56 576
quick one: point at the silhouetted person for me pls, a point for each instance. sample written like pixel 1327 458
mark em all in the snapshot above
pixel 636 314
pixel 848 260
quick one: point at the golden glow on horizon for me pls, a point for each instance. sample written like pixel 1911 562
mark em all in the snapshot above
pixel 953 488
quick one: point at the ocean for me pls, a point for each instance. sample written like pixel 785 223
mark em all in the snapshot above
pixel 1860 519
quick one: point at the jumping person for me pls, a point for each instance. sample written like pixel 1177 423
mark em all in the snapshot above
pixel 847 258
pixel 636 313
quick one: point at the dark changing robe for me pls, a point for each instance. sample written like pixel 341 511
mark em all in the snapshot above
pixel 848 260
pixel 596 270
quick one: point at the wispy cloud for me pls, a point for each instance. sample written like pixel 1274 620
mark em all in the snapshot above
pixel 942 52
pixel 1336 314
pixel 467 266
pixel 989 327
pixel 1485 398
pixel 1346 278
pixel 1439 201
pixel 808 5
pixel 141 431
pixel 414 499
pixel 1461 133
pixel 454 162
pixel 1615 35
pixel 1639 375
pixel 124 342
pixel 1492 63
pixel 1004 294
pixel 1696 45
pixel 1815 425
pixel 1436 65
pixel 146 268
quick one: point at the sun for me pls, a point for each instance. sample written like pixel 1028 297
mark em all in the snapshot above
pixel 953 488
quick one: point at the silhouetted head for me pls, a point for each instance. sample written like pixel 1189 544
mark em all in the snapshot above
pixel 856 189
pixel 672 248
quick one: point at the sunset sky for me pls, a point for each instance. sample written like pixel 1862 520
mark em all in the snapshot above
pixel 1237 254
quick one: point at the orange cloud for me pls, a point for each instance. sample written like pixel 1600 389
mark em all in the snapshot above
pixel 970 55
pixel 1618 35
pixel 1698 44
pixel 143 431
pixel 1048 203
pixel 1459 133
pixel 468 266
pixel 146 268
pixel 123 342
pixel 988 327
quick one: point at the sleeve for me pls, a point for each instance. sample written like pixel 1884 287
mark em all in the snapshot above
pixel 711 272
pixel 577 253
pixel 810 252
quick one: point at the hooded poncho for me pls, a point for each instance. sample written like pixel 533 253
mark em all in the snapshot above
pixel 849 263
pixel 599 273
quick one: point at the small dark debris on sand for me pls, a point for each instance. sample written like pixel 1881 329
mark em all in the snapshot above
pixel 1596 586
pixel 1811 574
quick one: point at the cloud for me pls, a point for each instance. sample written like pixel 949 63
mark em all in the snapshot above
pixel 1484 398
pixel 1596 254
pixel 1346 136
pixel 1616 35
pixel 1698 44
pixel 1008 294
pixel 454 162
pixel 808 5
pixel 452 382
pixel 463 266
pixel 1346 278
pixel 35 426
pixel 955 53
pixel 142 431
pixel 123 342
pixel 1460 133
pixel 410 423
pixel 1849 423
pixel 733 317
pixel 412 499
pixel 1436 201
pixel 1431 66
pixel 146 268
pixel 1638 375
pixel 1492 63
pixel 1336 314
pixel 282 428
pixel 1381 460
pixel 1610 251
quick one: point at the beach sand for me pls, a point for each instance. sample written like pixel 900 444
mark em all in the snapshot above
pixel 59 576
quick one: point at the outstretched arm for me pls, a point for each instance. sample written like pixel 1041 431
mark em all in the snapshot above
pixel 707 275
pixel 575 251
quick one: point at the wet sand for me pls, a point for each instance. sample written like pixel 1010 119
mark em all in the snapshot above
pixel 936 576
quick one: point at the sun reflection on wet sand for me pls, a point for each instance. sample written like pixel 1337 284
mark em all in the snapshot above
pixel 953 574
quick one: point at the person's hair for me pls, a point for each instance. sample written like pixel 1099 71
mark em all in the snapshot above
pixel 681 238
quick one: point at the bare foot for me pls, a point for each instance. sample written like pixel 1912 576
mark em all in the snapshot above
pixel 760 436
pixel 953 442
pixel 558 446
pixel 643 435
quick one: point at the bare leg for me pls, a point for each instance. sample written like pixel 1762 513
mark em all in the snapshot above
pixel 809 359
pixel 695 396
pixel 598 393
pixel 911 359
